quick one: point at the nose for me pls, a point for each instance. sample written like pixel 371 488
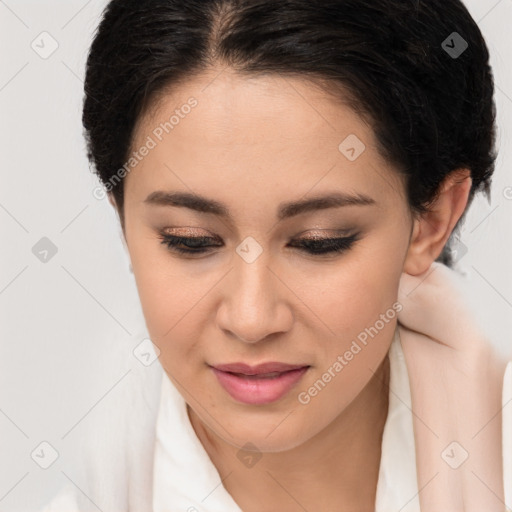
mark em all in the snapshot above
pixel 255 302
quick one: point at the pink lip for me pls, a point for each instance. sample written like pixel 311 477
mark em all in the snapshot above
pixel 249 385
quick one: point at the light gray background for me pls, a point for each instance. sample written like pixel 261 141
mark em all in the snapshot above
pixel 68 326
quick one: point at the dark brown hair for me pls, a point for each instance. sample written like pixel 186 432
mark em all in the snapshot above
pixel 418 69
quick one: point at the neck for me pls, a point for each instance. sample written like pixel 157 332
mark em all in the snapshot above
pixel 337 469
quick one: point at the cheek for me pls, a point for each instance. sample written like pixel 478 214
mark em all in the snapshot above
pixel 352 297
pixel 361 309
pixel 358 301
pixel 174 317
pixel 176 310
pixel 362 313
pixel 167 293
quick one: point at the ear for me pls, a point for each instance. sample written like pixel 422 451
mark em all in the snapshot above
pixel 431 230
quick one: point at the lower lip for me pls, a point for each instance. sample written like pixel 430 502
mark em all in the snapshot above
pixel 259 390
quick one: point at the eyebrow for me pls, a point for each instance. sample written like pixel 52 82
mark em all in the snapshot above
pixel 285 210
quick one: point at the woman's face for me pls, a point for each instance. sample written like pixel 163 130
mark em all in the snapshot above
pixel 249 148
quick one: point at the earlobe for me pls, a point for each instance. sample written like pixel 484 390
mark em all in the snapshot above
pixel 432 229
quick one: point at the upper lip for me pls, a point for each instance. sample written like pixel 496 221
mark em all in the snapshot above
pixel 258 369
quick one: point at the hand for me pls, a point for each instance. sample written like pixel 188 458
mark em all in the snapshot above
pixel 434 303
pixel 456 384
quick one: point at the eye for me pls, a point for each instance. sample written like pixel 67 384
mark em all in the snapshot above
pixel 188 245
pixel 314 246
pixel 319 246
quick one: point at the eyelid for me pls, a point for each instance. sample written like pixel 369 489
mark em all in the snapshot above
pixel 187 232
pixel 313 233
pixel 326 233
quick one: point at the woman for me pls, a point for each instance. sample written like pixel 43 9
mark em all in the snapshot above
pixel 288 176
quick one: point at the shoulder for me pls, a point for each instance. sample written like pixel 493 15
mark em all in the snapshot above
pixel 64 501
pixel 507 432
pixel 116 449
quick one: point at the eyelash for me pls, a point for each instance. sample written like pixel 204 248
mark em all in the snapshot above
pixel 316 247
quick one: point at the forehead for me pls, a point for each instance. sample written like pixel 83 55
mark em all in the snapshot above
pixel 268 133
pixel 233 108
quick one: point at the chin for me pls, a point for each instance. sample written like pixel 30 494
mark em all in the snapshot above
pixel 268 432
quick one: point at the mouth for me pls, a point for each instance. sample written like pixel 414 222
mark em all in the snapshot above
pixel 258 385
pixel 259 369
pixel 258 376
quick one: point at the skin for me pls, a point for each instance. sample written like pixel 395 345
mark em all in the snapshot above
pixel 252 143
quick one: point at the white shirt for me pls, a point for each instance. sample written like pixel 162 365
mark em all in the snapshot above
pixel 185 479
